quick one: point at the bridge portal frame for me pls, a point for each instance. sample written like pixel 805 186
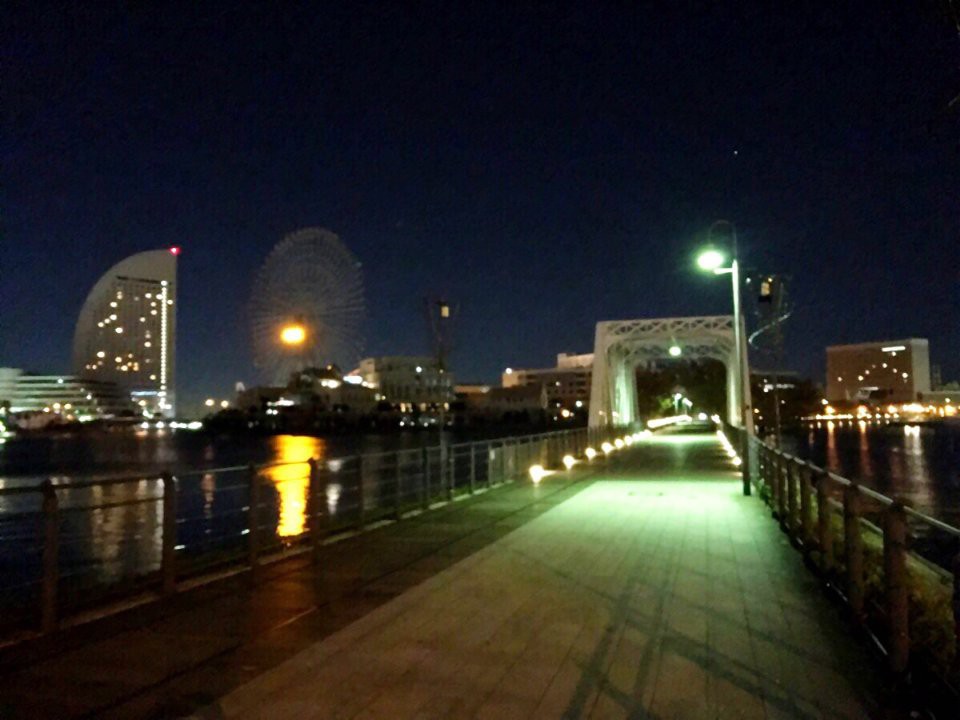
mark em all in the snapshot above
pixel 621 345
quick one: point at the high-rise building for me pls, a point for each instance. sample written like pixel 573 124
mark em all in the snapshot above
pixel 126 332
pixel 888 371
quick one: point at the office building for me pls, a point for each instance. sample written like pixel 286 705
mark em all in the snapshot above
pixel 567 385
pixel 888 371
pixel 126 332
pixel 408 382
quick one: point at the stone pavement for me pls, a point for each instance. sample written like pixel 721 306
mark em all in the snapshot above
pixel 656 592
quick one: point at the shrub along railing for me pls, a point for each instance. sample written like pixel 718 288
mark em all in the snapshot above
pixel 897 569
pixel 75 545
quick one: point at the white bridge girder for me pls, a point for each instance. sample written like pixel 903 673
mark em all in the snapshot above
pixel 621 345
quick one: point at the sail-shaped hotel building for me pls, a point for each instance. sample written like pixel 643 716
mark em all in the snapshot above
pixel 126 332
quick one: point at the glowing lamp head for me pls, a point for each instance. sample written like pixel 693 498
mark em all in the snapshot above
pixel 568 461
pixel 710 259
pixel 175 250
pixel 607 448
pixel 293 335
pixel 675 351
pixel 590 453
pixel 536 473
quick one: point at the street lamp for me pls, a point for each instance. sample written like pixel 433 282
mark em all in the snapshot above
pixel 712 260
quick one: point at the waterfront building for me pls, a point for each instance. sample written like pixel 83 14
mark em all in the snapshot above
pixel 66 397
pixel 409 382
pixel 126 332
pixel 887 371
pixel 524 403
pixel 317 390
pixel 567 385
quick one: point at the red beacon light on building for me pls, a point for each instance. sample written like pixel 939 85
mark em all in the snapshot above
pixel 175 250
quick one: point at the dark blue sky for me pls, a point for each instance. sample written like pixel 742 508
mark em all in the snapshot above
pixel 545 165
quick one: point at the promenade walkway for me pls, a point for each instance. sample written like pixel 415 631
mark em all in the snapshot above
pixel 656 592
pixel 651 589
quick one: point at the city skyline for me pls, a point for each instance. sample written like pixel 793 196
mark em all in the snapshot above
pixel 576 194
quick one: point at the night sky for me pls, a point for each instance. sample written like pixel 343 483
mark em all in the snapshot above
pixel 543 165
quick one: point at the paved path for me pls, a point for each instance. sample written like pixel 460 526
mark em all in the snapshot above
pixel 166 659
pixel 654 593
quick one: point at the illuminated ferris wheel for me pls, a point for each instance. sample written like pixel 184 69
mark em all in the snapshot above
pixel 307 306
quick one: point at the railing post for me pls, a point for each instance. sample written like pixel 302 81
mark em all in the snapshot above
pixel 491 454
pixel 765 473
pixel 853 549
pixel 313 508
pixel 49 615
pixel 824 529
pixel 424 478
pixel 896 586
pixel 782 490
pixel 398 488
pixel 473 468
pixel 806 517
pixel 792 509
pixel 168 551
pixel 450 461
pixel 253 523
pixel 771 467
pixel 956 601
pixel 361 494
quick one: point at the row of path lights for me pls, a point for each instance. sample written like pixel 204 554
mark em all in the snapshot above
pixel 538 472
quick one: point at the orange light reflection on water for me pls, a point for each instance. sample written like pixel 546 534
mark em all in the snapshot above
pixel 292 479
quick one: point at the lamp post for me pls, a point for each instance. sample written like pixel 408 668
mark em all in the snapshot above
pixel 712 259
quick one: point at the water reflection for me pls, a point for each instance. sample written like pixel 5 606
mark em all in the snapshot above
pixel 864 445
pixel 832 461
pixel 208 484
pixel 291 478
pixel 917 469
pixel 917 462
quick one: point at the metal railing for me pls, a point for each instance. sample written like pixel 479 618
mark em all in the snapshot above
pixel 897 569
pixel 71 546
